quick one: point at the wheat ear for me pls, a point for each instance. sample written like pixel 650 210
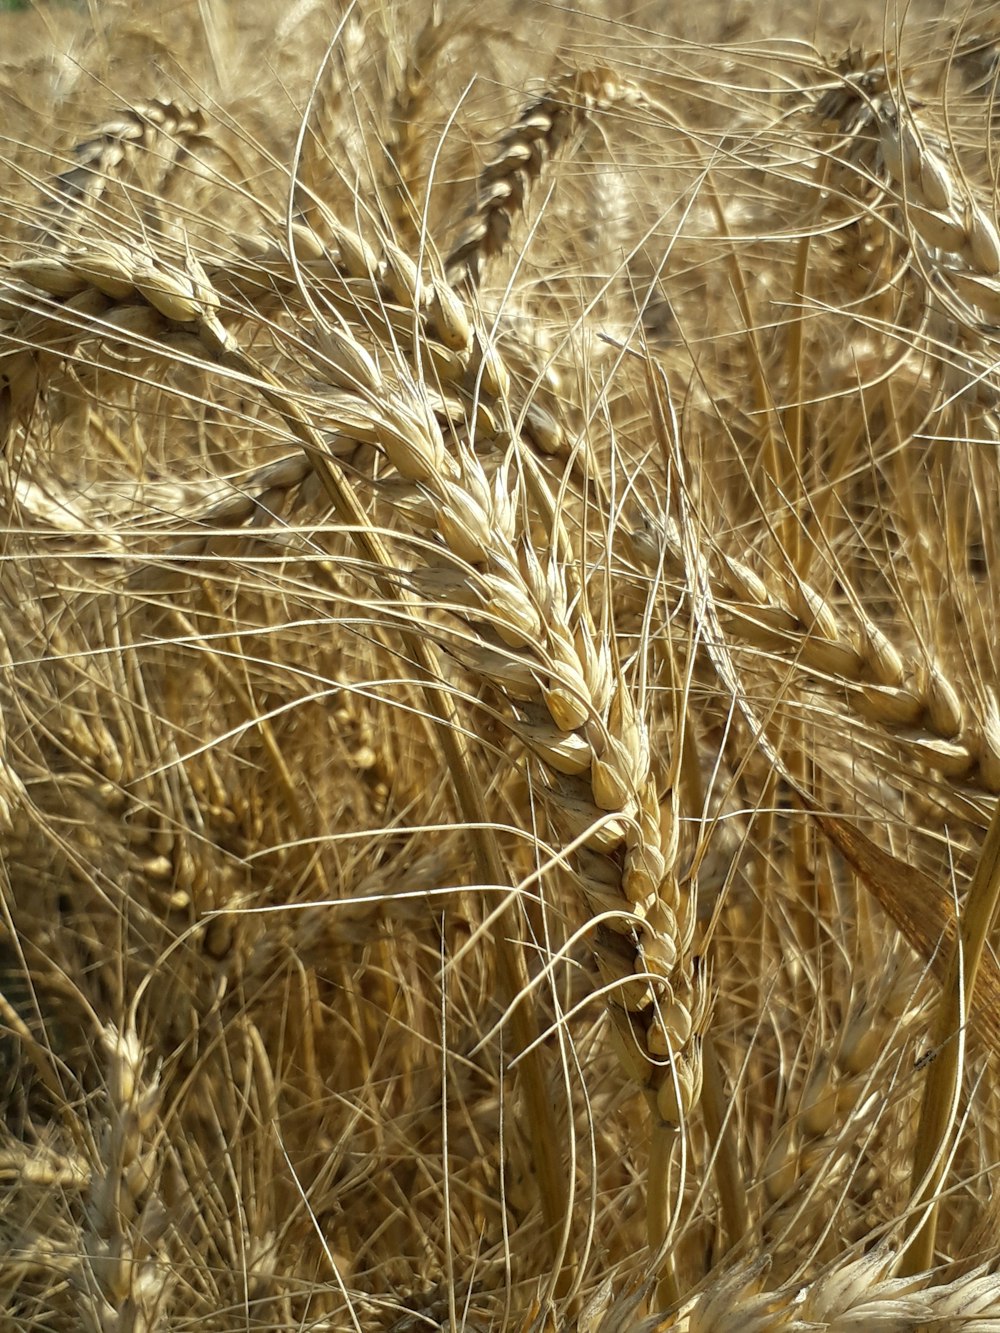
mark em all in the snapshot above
pixel 941 210
pixel 406 139
pixel 851 1293
pixel 576 713
pixel 911 698
pixel 164 132
pixel 581 719
pixel 519 158
pixel 123 1280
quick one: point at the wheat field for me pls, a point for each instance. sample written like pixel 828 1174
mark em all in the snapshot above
pixel 499 701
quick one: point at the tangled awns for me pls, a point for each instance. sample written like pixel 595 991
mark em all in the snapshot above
pixel 499 652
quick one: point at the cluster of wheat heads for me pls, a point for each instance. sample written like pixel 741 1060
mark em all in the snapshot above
pixel 500 732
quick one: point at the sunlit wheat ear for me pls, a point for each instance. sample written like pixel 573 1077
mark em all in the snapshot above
pixel 124 1278
pixel 595 728
pixel 577 714
pixel 144 146
pixel 908 696
pixel 856 1292
pixel 540 132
